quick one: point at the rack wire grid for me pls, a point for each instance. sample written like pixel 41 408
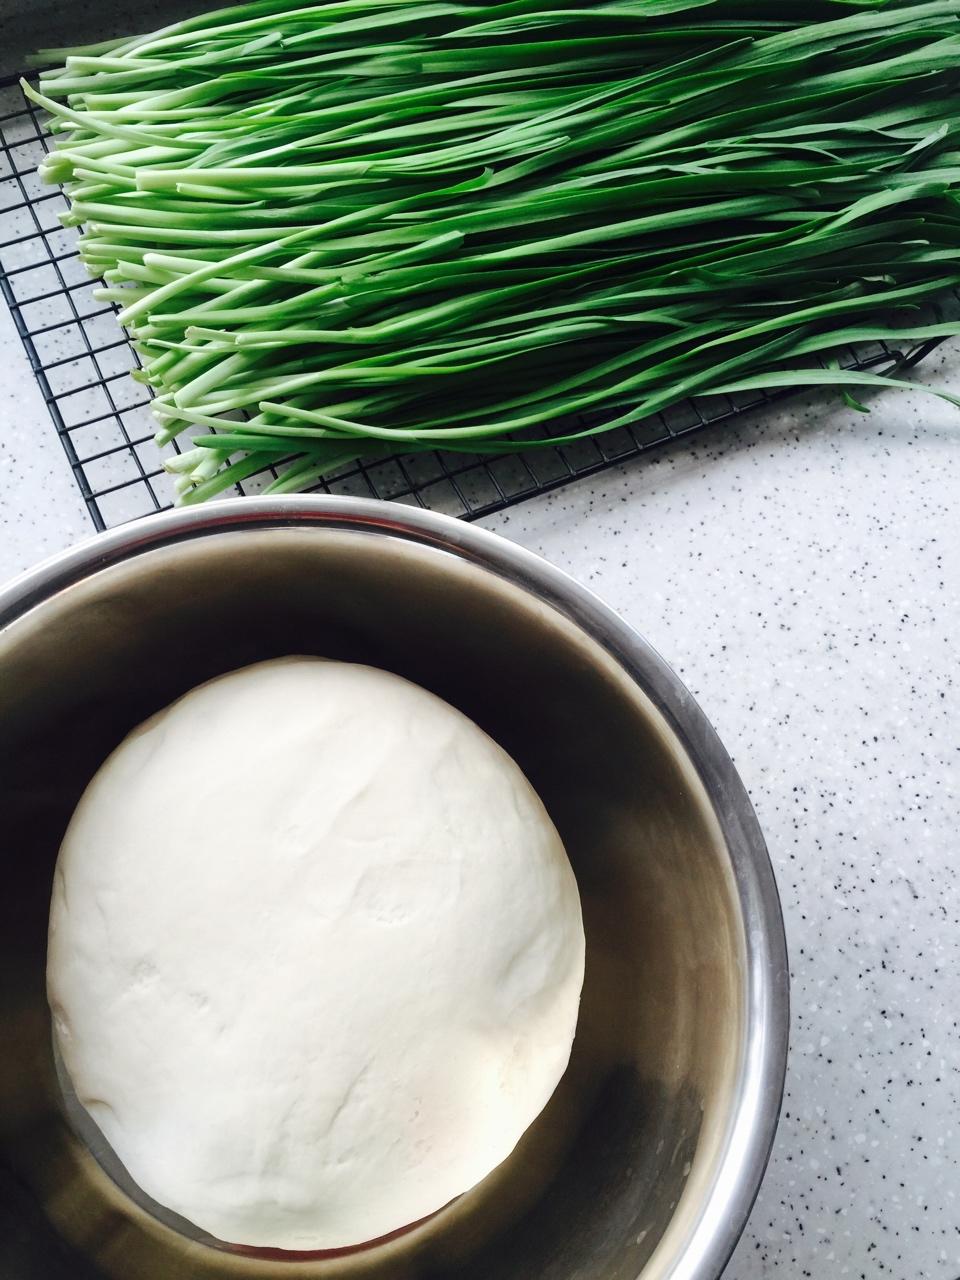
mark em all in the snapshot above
pixel 83 361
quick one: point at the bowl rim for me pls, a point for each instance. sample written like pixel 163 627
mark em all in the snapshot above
pixel 759 1090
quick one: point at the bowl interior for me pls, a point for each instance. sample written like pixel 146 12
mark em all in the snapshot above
pixel 610 1181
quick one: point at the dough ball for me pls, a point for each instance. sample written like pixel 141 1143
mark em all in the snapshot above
pixel 315 954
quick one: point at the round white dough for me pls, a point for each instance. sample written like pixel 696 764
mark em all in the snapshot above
pixel 315 954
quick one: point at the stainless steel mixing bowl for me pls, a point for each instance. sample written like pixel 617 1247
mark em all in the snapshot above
pixel 648 1158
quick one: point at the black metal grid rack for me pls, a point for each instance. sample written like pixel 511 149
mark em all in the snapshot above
pixel 83 362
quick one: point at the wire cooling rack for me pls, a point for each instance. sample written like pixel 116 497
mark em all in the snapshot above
pixel 83 362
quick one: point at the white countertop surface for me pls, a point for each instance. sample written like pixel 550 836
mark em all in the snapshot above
pixel 802 573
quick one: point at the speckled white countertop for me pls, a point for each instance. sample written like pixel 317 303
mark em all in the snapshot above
pixel 802 573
